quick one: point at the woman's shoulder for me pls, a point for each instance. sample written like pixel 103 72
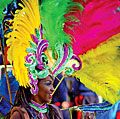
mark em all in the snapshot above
pixel 18 112
pixel 55 111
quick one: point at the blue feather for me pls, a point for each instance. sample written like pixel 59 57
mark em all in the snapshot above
pixel 5 106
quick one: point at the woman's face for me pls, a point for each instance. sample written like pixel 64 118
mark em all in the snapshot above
pixel 45 90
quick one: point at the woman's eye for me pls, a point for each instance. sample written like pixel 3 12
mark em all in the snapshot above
pixel 48 83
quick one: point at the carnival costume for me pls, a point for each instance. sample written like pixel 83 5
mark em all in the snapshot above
pixel 28 51
pixel 51 37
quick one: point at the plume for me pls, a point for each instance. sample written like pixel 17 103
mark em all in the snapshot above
pixel 96 24
pixel 52 19
pixel 100 71
pixel 96 40
pixel 25 21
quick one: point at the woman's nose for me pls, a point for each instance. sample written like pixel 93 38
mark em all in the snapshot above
pixel 52 88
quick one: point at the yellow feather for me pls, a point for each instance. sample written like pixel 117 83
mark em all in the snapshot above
pixel 25 22
pixel 101 69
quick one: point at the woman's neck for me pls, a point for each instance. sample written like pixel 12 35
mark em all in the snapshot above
pixel 37 104
pixel 36 99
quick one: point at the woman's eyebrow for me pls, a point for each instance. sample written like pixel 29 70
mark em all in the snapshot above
pixel 51 77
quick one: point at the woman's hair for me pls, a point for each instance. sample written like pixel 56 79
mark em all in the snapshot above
pixel 23 96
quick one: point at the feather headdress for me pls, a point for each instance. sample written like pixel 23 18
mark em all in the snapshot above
pixel 24 24
pixel 28 49
pixel 53 19
pixel 95 41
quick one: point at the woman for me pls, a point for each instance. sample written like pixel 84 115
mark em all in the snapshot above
pixel 34 60
pixel 28 106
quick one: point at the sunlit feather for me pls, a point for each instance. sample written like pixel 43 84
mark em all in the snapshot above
pixel 24 23
pixel 100 71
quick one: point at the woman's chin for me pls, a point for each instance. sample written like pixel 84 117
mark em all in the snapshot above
pixel 48 101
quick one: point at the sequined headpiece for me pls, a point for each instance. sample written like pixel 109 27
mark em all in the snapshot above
pixel 30 53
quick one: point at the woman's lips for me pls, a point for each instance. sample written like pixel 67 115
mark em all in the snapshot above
pixel 50 96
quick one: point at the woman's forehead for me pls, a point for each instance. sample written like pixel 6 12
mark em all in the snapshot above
pixel 48 78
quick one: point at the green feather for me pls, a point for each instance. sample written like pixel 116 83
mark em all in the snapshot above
pixel 3 4
pixel 52 18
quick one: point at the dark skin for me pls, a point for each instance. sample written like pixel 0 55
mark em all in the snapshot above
pixel 45 91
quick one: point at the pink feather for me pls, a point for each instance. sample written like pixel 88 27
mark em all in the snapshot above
pixel 99 21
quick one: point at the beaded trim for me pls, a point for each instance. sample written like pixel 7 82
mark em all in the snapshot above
pixel 39 108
